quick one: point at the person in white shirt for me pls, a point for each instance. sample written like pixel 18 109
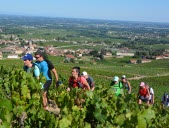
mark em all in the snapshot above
pixel 151 97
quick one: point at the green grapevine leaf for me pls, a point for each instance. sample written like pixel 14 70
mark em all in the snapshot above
pixel 141 122
pixel 65 122
pixel 119 119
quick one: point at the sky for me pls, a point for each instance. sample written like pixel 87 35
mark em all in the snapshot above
pixel 125 10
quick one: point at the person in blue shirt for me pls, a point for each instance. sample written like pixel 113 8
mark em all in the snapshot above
pixel 45 67
pixel 29 66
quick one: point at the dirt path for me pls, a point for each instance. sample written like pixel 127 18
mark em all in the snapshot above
pixel 135 78
pixel 140 77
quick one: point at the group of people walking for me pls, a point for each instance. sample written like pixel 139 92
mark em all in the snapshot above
pixel 83 80
pixel 118 85
pixel 44 67
pixel 145 92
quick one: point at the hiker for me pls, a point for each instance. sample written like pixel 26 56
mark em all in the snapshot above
pixel 76 80
pixel 165 100
pixel 143 94
pixel 49 63
pixel 89 80
pixel 117 86
pixel 45 68
pixel 151 97
pixel 126 84
pixel 29 66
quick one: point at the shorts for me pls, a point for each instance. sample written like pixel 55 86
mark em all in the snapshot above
pixel 47 85
pixel 144 99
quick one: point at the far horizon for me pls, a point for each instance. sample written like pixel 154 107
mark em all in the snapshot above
pixel 85 18
pixel 128 10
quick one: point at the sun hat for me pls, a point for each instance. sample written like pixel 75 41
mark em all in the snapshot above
pixel 84 73
pixel 27 57
pixel 123 76
pixel 142 84
pixel 116 78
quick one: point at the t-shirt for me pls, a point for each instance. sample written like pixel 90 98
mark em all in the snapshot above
pixel 74 83
pixel 126 85
pixel 143 92
pixel 151 93
pixel 90 81
pixel 117 87
pixel 45 70
pixel 35 70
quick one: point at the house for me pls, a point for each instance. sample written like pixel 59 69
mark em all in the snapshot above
pixel 6 50
pixel 125 54
pixel 79 55
pixel 158 57
pixel 69 56
pixel 19 51
pixel 108 54
pixel 13 56
pixel 133 61
pixel 166 56
pixel 144 61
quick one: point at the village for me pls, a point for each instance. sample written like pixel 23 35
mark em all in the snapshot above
pixel 11 48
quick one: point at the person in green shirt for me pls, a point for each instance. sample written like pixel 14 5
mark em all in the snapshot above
pixel 117 86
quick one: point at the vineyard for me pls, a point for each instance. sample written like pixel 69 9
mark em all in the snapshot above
pixel 21 98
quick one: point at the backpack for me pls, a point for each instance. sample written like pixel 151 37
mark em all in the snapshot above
pixel 113 83
pixel 150 91
pixel 166 97
pixel 50 65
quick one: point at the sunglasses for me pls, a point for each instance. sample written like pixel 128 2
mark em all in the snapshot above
pixel 37 57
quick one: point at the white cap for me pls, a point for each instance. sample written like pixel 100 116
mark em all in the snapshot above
pixel 123 76
pixel 84 73
pixel 116 78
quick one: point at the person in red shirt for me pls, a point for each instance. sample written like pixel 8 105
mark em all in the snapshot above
pixel 143 94
pixel 76 80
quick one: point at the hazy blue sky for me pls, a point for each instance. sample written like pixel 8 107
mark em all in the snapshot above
pixel 134 10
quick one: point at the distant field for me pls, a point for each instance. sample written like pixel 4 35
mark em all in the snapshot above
pixel 157 46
